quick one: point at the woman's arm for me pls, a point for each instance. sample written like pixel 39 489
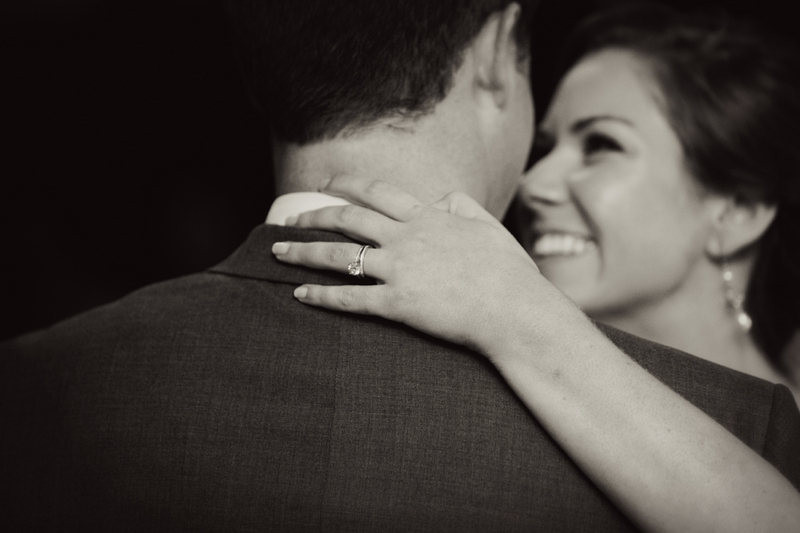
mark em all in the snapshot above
pixel 454 272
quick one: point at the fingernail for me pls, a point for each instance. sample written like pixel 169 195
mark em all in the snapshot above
pixel 291 220
pixel 301 292
pixel 280 248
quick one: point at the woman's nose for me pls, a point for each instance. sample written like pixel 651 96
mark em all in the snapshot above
pixel 546 182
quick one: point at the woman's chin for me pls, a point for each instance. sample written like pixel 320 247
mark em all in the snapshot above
pixel 566 271
pixel 575 276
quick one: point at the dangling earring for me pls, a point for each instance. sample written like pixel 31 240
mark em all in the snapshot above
pixel 735 299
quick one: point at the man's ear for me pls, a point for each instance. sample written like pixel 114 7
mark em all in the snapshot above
pixel 496 54
pixel 737 225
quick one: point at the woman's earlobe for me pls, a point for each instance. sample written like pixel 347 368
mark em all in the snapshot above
pixel 714 246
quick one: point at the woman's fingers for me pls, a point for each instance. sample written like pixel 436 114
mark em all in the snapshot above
pixel 337 256
pixel 375 194
pixel 350 298
pixel 461 204
pixel 358 223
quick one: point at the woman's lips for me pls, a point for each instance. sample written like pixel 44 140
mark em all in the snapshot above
pixel 550 244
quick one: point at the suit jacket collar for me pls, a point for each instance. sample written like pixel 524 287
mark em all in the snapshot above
pixel 254 258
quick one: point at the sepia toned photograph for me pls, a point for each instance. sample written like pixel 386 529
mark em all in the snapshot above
pixel 400 266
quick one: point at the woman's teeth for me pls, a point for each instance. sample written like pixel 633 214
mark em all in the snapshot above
pixel 562 244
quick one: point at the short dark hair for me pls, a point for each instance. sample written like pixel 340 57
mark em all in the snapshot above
pixel 317 68
pixel 731 92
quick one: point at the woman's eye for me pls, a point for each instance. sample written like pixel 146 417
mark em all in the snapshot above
pixel 542 145
pixel 596 142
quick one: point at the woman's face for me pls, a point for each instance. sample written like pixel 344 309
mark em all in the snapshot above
pixel 610 213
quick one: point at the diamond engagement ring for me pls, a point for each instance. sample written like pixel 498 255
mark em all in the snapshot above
pixel 356 268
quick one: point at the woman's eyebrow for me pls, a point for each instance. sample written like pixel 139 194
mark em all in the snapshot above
pixel 584 123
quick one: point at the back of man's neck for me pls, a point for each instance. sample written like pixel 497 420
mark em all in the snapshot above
pixel 395 156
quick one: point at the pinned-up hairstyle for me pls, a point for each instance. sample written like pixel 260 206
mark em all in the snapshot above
pixel 731 92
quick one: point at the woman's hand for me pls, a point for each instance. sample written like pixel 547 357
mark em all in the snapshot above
pixel 446 269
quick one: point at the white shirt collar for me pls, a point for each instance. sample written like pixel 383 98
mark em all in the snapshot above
pixel 295 203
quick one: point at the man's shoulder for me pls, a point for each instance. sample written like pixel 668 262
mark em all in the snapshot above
pixel 686 373
pixel 150 310
pixel 747 406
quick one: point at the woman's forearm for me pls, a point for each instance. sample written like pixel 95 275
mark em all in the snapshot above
pixel 665 463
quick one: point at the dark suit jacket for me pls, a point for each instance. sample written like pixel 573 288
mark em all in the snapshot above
pixel 216 402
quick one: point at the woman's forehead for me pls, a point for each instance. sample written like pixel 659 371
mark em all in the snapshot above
pixel 612 82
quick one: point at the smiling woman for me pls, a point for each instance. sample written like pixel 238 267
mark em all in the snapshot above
pixel 612 181
pixel 615 179
pixel 664 199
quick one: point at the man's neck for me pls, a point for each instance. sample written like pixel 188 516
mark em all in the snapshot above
pixel 388 154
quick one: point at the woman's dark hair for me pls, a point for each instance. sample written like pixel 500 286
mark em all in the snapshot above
pixel 732 94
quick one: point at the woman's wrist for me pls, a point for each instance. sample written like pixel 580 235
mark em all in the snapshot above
pixel 536 321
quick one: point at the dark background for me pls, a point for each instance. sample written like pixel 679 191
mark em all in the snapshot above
pixel 131 153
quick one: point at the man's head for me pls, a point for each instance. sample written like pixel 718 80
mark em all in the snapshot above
pixel 323 71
